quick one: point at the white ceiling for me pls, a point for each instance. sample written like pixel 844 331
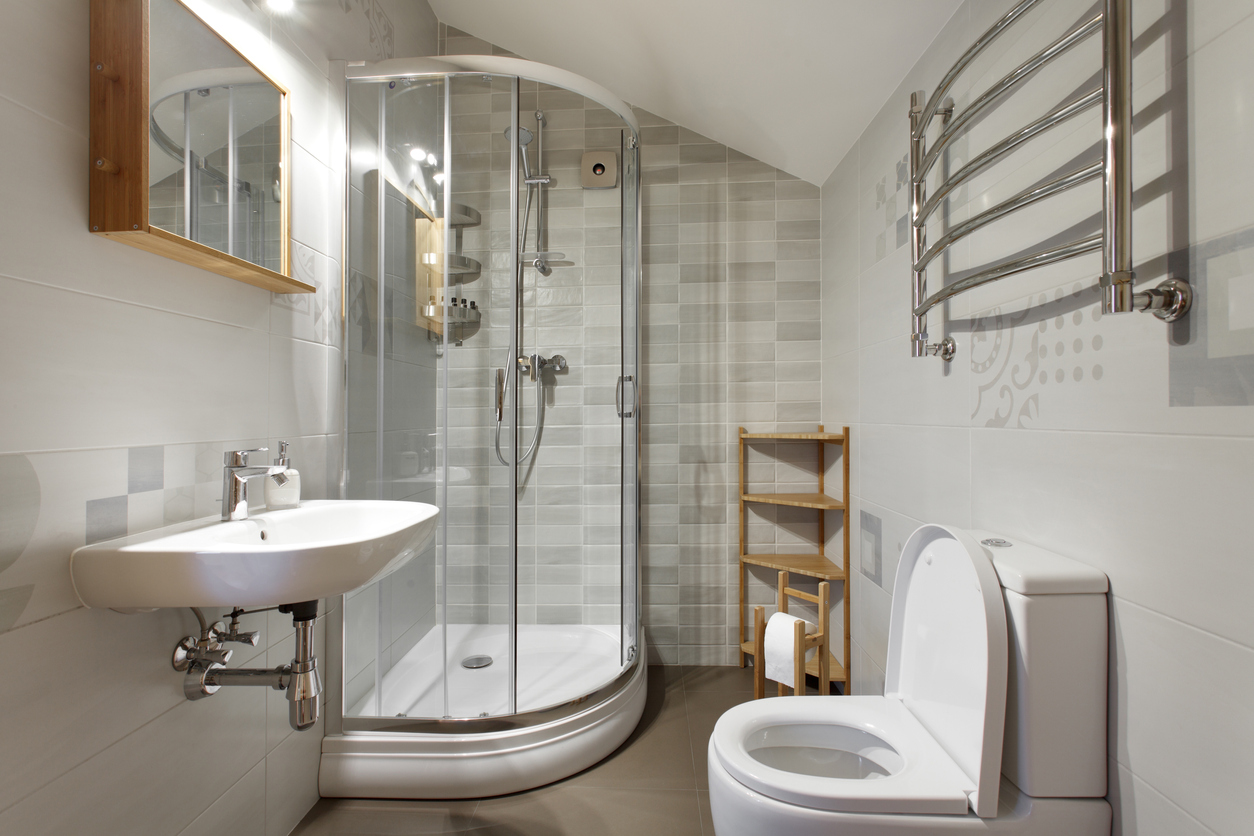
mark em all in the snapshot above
pixel 790 82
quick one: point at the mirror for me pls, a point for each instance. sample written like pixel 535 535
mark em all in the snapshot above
pixel 189 144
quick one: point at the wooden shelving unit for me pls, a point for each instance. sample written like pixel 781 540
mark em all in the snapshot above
pixel 817 566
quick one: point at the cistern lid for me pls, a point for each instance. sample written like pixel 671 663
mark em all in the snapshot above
pixel 1030 570
pixel 947 652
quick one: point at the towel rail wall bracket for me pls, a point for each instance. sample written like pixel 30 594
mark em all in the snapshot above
pixel 1169 301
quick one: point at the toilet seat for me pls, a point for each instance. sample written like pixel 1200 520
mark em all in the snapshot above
pixel 940 721
pixel 925 779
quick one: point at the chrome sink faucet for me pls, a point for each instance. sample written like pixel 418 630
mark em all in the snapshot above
pixel 235 475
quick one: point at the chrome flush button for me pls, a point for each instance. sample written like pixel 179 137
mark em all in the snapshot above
pixel 996 543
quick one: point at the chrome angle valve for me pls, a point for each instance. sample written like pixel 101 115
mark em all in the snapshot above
pixel 204 660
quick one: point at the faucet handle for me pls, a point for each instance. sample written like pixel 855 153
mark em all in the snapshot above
pixel 239 458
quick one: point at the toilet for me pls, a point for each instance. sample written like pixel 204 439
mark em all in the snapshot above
pixel 993 718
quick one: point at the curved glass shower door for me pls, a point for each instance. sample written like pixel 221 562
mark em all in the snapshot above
pixel 491 339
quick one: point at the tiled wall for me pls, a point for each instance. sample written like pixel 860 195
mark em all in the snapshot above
pixel 126 377
pixel 731 338
pixel 1064 428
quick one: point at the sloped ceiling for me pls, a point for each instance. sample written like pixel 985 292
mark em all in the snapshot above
pixel 790 82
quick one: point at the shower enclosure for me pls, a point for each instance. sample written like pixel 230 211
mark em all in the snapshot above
pixel 491 352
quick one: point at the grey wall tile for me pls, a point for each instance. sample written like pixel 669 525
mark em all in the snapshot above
pixel 106 518
pixel 145 469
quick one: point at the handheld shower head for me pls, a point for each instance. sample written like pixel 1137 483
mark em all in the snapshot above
pixel 524 136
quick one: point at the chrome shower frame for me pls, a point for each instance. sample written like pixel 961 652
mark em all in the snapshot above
pixel 1169 301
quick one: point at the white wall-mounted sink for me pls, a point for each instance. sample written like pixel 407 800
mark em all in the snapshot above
pixel 322 548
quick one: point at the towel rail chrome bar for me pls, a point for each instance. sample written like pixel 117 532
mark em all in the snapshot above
pixel 1117 276
pixel 1022 199
pixel 1091 244
pixel 933 105
pixel 1169 301
pixel 956 125
pixel 997 152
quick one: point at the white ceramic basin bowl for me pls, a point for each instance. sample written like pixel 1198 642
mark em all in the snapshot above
pixel 322 548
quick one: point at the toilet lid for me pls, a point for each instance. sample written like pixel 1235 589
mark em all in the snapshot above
pixel 947 652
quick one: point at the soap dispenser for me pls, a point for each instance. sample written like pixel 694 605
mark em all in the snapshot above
pixel 283 489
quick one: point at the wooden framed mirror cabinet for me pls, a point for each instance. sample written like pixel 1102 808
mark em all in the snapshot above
pixel 189 145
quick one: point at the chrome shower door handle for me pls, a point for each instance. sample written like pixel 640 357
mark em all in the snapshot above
pixel 618 396
pixel 500 395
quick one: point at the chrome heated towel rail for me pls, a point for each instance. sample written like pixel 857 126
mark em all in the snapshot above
pixel 1169 301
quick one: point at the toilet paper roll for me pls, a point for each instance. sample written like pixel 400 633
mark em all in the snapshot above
pixel 778 646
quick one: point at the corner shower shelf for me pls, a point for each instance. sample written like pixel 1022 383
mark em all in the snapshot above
pixel 462 215
pixel 458 265
pixel 456 314
pixel 810 565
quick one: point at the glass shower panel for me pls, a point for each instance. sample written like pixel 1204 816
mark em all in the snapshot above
pixel 394 645
pixel 480 560
pixel 630 398
pixel 570 485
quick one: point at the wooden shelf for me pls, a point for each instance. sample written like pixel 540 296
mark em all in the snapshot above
pixel 810 565
pixel 836 671
pixel 821 501
pixel 829 438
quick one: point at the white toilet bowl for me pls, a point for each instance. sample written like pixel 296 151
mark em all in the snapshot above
pixel 856 754
pixel 927 756
pixel 740 811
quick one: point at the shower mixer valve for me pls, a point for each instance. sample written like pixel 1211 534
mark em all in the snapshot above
pixel 534 365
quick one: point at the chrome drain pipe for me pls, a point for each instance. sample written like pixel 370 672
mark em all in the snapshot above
pixel 206 676
pixel 304 689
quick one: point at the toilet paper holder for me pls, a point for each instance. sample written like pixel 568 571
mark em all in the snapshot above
pixel 802 641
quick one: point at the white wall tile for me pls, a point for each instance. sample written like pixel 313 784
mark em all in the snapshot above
pixel 1190 741
pixel 922 472
pixel 110 377
pixel 1029 482
pixel 240 811
pixel 1141 810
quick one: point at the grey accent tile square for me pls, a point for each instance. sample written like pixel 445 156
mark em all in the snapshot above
pixel 106 518
pixel 145 469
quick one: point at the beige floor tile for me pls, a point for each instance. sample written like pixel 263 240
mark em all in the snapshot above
pixel 366 817
pixel 570 810
pixel 707 820
pixel 704 709
pixel 726 679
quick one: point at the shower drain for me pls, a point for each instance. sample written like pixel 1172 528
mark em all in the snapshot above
pixel 476 662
